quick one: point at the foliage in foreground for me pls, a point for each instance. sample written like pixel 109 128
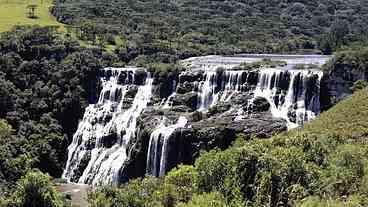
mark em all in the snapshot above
pixel 35 189
pixel 325 162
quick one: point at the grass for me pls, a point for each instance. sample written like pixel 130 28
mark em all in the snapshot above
pixel 348 119
pixel 14 12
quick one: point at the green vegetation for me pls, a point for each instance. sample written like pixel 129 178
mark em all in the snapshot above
pixel 15 12
pixel 325 162
pixel 35 189
pixel 46 81
pixel 206 199
pixel 352 58
pixel 316 202
pixel 306 66
pixel 186 28
pixel 359 85
pixel 46 76
pixel 265 63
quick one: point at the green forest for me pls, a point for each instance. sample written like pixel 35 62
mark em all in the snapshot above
pixel 48 76
pixel 44 78
pixel 190 28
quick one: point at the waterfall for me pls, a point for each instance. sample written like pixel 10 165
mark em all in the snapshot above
pixel 159 147
pixel 98 151
pixel 207 91
pixel 231 83
pixel 99 147
pixel 217 88
pixel 292 94
pixel 168 103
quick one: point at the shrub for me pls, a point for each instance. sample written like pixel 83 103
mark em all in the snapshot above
pixel 345 171
pixel 359 85
pixel 137 193
pixel 184 180
pixel 35 189
pixel 352 201
pixel 212 199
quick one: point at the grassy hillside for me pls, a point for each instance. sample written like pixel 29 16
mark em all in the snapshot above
pixel 348 119
pixel 14 12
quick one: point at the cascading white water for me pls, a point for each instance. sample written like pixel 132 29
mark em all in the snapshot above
pixel 231 84
pixel 268 86
pixel 227 85
pixel 104 119
pixel 207 91
pixel 295 99
pixel 159 146
pixel 168 103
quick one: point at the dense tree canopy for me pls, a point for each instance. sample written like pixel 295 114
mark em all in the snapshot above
pixel 185 28
pixel 46 81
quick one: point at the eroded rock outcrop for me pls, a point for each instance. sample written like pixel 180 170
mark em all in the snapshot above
pixel 338 82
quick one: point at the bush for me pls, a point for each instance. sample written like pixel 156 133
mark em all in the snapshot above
pixel 346 169
pixel 35 189
pixel 137 193
pixel 184 181
pixel 349 59
pixel 359 85
pixel 212 199
pixel 352 201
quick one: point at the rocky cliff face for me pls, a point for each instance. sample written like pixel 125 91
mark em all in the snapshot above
pixel 143 125
pixel 338 82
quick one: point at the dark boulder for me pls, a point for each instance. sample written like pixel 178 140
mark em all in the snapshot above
pixel 165 85
pixel 260 105
pixel 240 98
pixel 110 139
pixel 252 78
pixel 218 108
pixel 186 87
pixel 131 92
pixel 181 109
pixel 140 76
pixel 190 76
pixel 189 100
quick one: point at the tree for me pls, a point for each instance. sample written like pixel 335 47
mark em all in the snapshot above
pixel 183 180
pixel 339 31
pixel 35 190
pixel 212 199
pixel 32 11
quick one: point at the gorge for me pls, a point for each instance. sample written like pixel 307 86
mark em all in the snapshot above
pixel 140 125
